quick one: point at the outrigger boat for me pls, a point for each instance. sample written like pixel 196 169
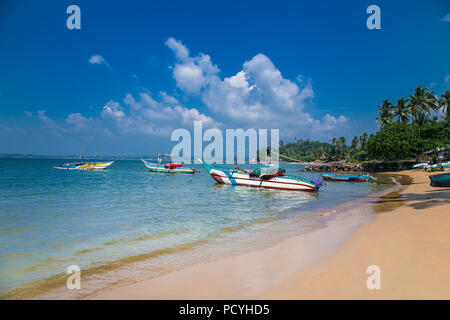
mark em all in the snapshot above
pixel 347 177
pixel 440 180
pixel 437 166
pixel 420 165
pixel 267 177
pixel 84 165
pixel 168 167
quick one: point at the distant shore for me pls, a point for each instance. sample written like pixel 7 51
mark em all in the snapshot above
pixel 408 240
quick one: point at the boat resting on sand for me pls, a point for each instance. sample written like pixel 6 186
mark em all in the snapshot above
pixel 84 165
pixel 437 166
pixel 167 168
pixel 419 165
pixel 347 177
pixel 249 178
pixel 440 180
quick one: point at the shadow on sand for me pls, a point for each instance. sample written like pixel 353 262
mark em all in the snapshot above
pixel 393 200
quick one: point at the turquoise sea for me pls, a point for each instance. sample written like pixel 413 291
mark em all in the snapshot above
pixel 112 219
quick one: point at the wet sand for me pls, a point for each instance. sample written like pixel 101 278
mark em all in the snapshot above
pixel 409 240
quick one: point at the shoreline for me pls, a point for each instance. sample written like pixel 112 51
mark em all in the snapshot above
pixel 156 263
pixel 252 274
pixel 410 242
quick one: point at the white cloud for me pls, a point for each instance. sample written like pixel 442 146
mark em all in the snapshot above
pixel 447 79
pixel 51 124
pixel 28 113
pixel 258 95
pixel 113 110
pixel 329 123
pixel 135 115
pixel 99 60
pixel 181 52
pixel 191 74
pixel 146 115
pixel 446 18
pixel 78 120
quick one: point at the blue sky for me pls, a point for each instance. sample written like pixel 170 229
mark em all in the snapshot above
pixel 139 69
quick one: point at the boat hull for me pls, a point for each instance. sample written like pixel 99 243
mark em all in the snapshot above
pixel 420 165
pixel 347 178
pixel 440 180
pixel 244 179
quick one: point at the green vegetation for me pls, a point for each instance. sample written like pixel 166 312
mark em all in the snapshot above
pixel 407 129
pixel 306 150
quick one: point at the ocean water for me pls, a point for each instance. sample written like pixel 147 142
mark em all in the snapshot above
pixel 105 220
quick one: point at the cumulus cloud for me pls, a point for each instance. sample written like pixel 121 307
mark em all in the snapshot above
pixel 99 60
pixel 78 121
pixel 144 114
pixel 191 73
pixel 446 18
pixel 134 115
pixel 257 96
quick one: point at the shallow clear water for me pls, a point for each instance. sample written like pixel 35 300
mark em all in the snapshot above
pixel 50 219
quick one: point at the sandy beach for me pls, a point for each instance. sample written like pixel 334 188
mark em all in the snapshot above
pixel 409 240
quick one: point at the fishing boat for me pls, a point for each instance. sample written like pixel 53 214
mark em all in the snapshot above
pixel 347 177
pixel 440 180
pixel 167 167
pixel 267 177
pixel 437 166
pixel 84 165
pixel 420 165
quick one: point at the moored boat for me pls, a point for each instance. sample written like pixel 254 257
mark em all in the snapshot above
pixel 84 165
pixel 419 165
pixel 167 168
pixel 263 178
pixel 347 177
pixel 438 166
pixel 440 180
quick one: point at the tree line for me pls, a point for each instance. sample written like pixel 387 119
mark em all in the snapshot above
pixel 409 127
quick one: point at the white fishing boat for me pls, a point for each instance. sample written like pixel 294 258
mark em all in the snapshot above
pixel 419 165
pixel 167 167
pixel 266 177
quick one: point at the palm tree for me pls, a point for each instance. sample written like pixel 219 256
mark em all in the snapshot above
pixel 401 110
pixel 363 141
pixel 333 152
pixel 354 145
pixel 421 104
pixel 386 114
pixel 444 103
pixel 341 145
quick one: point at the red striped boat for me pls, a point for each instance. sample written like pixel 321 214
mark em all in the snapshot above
pixel 275 181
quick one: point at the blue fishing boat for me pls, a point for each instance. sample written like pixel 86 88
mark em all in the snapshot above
pixel 347 177
pixel 438 166
pixel 440 180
